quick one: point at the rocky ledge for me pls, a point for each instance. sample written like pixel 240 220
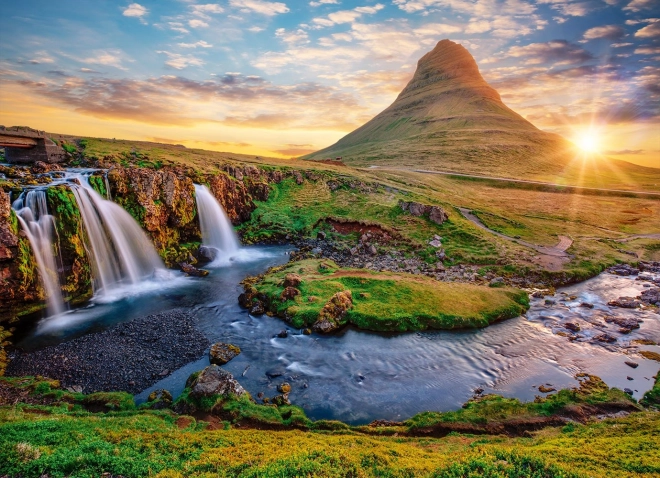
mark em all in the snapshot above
pixel 129 357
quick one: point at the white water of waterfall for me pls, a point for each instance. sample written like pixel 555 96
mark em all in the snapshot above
pixel 39 227
pixel 217 231
pixel 121 253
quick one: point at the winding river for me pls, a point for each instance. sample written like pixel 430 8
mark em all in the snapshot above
pixel 360 376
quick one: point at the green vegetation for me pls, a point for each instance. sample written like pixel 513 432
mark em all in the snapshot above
pixel 387 301
pixel 652 397
pixel 54 432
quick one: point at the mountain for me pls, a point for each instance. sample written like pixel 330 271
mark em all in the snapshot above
pixel 449 118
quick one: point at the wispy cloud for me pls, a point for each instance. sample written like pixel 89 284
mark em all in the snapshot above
pixel 260 6
pixel 200 44
pixel 137 11
pixel 179 62
pixel 609 32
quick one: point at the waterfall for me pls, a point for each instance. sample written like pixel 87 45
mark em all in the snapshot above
pixel 39 227
pixel 217 231
pixel 120 252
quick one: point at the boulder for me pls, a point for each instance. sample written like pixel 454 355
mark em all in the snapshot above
pixel 192 270
pixel 651 296
pixel 572 326
pixel 625 302
pixel 258 308
pixel 221 353
pixel 331 316
pixel 284 387
pixel 214 380
pixel 437 215
pixel 289 293
pixel 292 280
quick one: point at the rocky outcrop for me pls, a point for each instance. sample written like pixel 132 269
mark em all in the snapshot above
pixel 19 281
pixel 214 380
pixel 332 315
pixel 435 213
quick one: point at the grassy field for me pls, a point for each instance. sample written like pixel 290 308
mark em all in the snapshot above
pixel 63 438
pixel 388 302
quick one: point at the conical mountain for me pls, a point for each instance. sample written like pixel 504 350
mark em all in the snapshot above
pixel 449 118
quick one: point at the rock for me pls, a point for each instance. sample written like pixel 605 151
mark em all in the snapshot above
pixel 572 326
pixel 275 372
pixel 207 254
pixel 628 391
pixel 629 378
pixel 546 388
pixel 332 315
pixel 607 338
pixel 307 331
pixel 289 293
pixel 284 387
pixel 283 334
pixel 587 305
pixel 538 294
pixel 625 302
pixel 321 235
pixel 214 380
pixel 437 215
pixel 292 280
pixel 649 266
pixel 651 296
pixel 435 243
pixel 221 353
pixel 298 177
pixel 159 399
pixel 258 308
pixel 622 270
pixel 280 400
pixel 631 364
pixel 549 302
pixel 372 250
pixel 626 324
pixel 497 281
pixel 192 270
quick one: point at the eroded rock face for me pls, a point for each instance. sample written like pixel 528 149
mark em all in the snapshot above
pixel 435 213
pixel 332 315
pixel 214 380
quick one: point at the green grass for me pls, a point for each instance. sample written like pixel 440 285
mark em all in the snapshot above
pixel 387 301
pixel 241 439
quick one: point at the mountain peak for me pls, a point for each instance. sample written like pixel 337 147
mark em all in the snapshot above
pixel 449 117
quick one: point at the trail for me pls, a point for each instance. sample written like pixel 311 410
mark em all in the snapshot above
pixel 552 257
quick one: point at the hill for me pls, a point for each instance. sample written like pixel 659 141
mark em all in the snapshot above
pixel 449 118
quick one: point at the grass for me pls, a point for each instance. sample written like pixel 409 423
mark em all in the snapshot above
pixel 65 439
pixel 386 301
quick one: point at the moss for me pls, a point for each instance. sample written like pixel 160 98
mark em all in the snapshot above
pixel 388 302
pixel 4 359
pixel 109 401
pixel 98 184
pixel 652 397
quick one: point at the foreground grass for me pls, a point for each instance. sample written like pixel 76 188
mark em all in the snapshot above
pixel 388 302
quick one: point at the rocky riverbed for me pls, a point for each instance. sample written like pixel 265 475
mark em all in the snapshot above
pixel 130 356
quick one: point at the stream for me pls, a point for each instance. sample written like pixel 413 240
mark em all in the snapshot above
pixel 357 376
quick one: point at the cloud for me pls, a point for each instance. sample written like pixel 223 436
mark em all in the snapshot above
pixel 609 32
pixel 624 151
pixel 649 31
pixel 295 152
pixel 203 10
pixel 135 10
pixel 556 52
pixel 89 71
pixel 292 37
pixel 196 23
pixel 233 99
pixel 255 29
pixel 345 16
pixel 322 2
pixel 41 57
pixel 260 6
pixel 179 62
pixel 638 5
pixel 114 58
pixel 201 44
pixel 177 27
pixel 647 50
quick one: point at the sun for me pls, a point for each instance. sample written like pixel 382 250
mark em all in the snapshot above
pixel 588 141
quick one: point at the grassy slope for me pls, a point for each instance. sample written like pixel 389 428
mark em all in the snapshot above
pixel 63 439
pixel 536 216
pixel 390 302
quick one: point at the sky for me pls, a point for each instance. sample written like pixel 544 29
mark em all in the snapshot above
pixel 290 77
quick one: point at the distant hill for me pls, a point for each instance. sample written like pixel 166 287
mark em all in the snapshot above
pixel 449 118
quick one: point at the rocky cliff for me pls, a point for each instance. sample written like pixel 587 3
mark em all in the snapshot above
pixel 161 200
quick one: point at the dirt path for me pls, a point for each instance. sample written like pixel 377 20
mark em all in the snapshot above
pixel 552 258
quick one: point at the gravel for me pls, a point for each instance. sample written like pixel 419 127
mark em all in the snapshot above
pixel 127 357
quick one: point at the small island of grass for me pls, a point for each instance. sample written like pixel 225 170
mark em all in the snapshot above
pixel 319 294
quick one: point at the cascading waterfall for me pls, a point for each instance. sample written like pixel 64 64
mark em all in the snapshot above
pixel 121 253
pixel 217 231
pixel 39 227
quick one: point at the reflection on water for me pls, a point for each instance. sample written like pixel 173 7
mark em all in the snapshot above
pixel 358 376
